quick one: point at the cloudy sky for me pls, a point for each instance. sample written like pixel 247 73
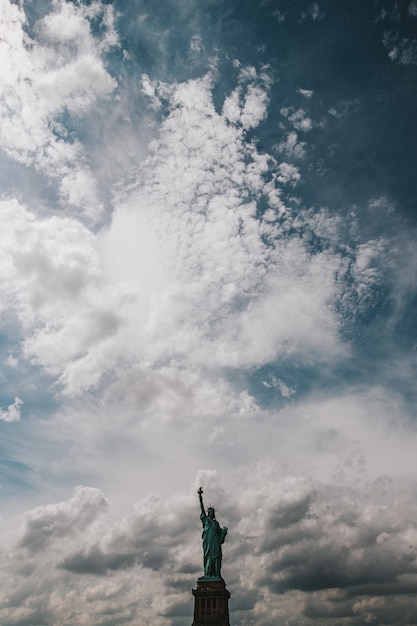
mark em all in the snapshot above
pixel 208 276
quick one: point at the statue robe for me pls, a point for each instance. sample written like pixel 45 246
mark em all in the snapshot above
pixel 213 537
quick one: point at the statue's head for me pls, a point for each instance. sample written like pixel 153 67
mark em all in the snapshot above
pixel 211 512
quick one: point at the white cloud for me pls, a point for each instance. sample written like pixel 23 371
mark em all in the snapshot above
pixel 247 105
pixel 187 270
pixel 288 173
pixel 292 147
pixel 344 107
pixel 51 276
pixel 307 93
pixel 231 107
pixel 48 523
pixel 60 70
pixel 11 361
pixel 196 44
pixel 285 111
pixel 314 12
pixel 381 204
pixel 255 106
pixel 188 278
pixel 311 542
pixel 281 16
pixel 149 88
pixel 211 291
pixel 401 50
pixel 291 314
pixel 210 280
pixel 282 387
pixel 12 412
pixel 408 55
pixel 299 120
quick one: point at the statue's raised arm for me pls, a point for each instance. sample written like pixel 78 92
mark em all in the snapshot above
pixel 200 495
pixel 213 537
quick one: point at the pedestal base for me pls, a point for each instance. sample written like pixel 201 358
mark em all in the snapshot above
pixel 211 606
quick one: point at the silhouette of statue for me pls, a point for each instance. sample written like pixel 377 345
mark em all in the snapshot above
pixel 213 537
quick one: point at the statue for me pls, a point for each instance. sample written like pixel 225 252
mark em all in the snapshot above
pixel 213 536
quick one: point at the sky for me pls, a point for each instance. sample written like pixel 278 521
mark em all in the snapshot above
pixel 208 276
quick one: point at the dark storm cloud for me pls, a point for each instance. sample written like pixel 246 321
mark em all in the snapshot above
pixel 146 539
pixel 334 550
pixel 94 561
pixel 345 544
pixel 245 599
pixel 48 523
pixel 37 618
pixel 180 608
pixel 323 608
pixel 289 513
pixel 366 609
pixel 151 553
pixel 188 568
pixel 179 581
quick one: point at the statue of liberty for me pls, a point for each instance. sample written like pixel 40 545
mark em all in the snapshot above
pixel 213 538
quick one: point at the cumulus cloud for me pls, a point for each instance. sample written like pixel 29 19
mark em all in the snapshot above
pixel 315 543
pixel 314 12
pixel 47 523
pixel 196 44
pixel 60 70
pixel 288 173
pixel 307 93
pixel 12 412
pixel 190 269
pixel 400 49
pixel 218 273
pixel 299 120
pixel 60 560
pixel 248 106
pixel 280 16
pixel 51 276
pixel 197 328
pixel 279 384
pixel 405 52
pixel 291 147
pixel 344 107
pixel 366 537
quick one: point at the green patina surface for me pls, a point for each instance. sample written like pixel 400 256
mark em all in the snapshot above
pixel 213 537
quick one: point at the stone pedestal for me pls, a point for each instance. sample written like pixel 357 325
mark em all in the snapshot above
pixel 211 605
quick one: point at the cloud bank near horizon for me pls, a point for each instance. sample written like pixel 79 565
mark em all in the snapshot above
pixel 300 549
